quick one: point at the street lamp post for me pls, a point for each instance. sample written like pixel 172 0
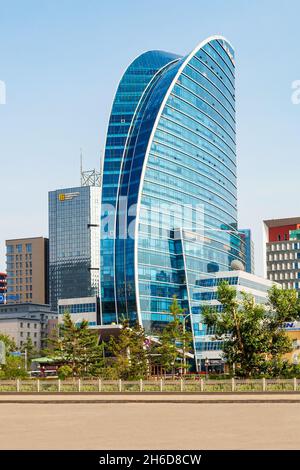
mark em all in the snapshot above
pixel 184 358
pixel 206 367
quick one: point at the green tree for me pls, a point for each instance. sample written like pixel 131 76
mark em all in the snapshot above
pixel 64 372
pixel 77 346
pixel 174 341
pixel 14 367
pixel 9 342
pixel 130 355
pixel 30 351
pixel 253 338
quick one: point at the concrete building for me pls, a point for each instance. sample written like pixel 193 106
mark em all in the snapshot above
pixel 23 321
pixel 292 329
pixel 27 270
pixel 206 348
pixel 3 287
pixel 84 308
pixel 249 250
pixel 282 251
pixel 74 217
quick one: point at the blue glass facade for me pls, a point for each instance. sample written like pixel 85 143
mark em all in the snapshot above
pixel 170 179
pixel 249 249
pixel 130 90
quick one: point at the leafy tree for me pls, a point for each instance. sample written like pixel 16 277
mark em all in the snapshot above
pixel 30 350
pixel 10 344
pixel 64 372
pixel 175 340
pixel 77 346
pixel 252 333
pixel 130 355
pixel 14 367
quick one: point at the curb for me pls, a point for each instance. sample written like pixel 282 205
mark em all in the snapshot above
pixel 143 401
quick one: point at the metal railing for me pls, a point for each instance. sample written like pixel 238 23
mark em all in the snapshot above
pixel 158 385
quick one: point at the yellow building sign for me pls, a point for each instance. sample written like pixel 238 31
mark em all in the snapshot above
pixel 67 196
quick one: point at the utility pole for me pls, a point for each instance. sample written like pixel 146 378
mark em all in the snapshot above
pixel 25 359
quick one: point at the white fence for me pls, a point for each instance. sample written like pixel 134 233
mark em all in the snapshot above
pixel 159 385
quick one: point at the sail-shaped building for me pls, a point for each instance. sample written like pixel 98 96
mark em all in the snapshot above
pixel 169 195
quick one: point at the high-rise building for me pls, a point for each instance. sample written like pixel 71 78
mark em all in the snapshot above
pixel 27 270
pixel 169 202
pixel 282 251
pixel 249 250
pixel 74 215
pixel 3 287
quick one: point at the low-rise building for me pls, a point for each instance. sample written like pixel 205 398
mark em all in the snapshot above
pixel 292 329
pixel 24 321
pixel 83 308
pixel 208 350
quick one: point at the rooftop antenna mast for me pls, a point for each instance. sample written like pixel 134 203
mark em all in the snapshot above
pixel 88 177
pixel 81 169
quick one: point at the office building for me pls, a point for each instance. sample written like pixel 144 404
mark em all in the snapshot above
pixel 282 251
pixel 85 308
pixel 27 270
pixel 249 250
pixel 28 320
pixel 169 202
pixel 74 215
pixel 3 287
pixel 206 347
pixel 292 329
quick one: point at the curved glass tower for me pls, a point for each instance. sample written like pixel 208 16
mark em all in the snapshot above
pixel 169 202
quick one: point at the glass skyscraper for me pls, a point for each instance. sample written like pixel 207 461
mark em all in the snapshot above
pixel 74 215
pixel 169 202
pixel 249 249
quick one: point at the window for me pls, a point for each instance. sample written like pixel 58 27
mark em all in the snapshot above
pixel 28 335
pixel 9 249
pixel 19 248
pixel 35 325
pixel 21 324
pixel 21 333
pixel 28 247
pixel 28 325
pixel 278 238
pixel 35 335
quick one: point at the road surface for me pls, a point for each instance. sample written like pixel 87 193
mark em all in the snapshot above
pixel 150 425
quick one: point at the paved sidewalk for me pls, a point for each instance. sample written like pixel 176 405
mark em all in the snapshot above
pixel 65 398
pixel 182 425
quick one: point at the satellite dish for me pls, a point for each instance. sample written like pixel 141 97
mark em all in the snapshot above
pixel 237 265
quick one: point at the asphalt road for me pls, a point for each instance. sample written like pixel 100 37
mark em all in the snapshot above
pixel 150 426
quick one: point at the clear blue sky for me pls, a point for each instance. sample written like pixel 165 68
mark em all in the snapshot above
pixel 61 61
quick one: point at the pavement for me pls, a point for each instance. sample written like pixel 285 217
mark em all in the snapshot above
pixel 157 424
